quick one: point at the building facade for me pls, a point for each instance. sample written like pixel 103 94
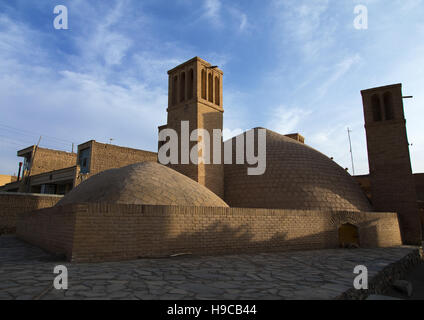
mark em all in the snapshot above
pixel 49 171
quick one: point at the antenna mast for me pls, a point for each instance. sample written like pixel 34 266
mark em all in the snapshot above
pixel 351 152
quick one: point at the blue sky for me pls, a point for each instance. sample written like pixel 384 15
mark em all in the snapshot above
pixel 289 66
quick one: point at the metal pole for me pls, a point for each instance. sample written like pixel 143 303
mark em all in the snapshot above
pixel 30 165
pixel 351 152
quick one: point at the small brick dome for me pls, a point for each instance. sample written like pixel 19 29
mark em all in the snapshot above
pixel 143 183
pixel 296 177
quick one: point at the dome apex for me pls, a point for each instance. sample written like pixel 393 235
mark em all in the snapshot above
pixel 297 177
pixel 143 183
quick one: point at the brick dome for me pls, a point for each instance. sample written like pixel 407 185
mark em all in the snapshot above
pixel 143 183
pixel 296 177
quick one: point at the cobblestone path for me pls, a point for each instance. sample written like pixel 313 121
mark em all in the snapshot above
pixel 26 272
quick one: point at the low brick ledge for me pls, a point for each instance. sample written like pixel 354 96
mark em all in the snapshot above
pixel 381 282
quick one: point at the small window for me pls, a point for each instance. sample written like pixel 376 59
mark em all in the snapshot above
pixel 210 87
pixel 203 84
pixel 174 90
pixel 27 163
pixel 217 88
pixel 388 106
pixel 190 84
pixel 376 107
pixel 182 87
pixel 84 157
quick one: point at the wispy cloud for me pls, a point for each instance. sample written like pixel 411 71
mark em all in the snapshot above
pixel 240 17
pixel 212 11
pixel 93 93
pixel 337 72
pixel 305 24
pixel 289 65
pixel 285 120
pixel 221 15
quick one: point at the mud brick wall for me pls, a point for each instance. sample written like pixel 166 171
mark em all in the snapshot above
pixel 11 204
pixel 107 156
pixel 393 187
pixel 51 229
pixel 46 160
pixel 419 185
pixel 103 232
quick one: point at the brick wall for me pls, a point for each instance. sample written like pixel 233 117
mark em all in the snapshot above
pixel 50 229
pixel 419 185
pixel 11 204
pixel 201 114
pixel 103 232
pixel 107 156
pixel 4 179
pixel 296 177
pixel 421 208
pixel 46 160
pixel 392 183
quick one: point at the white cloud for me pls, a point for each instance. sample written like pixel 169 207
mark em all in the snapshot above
pixel 243 22
pixel 339 70
pixel 240 18
pixel 83 96
pixel 212 11
pixel 224 15
pixel 285 120
pixel 303 23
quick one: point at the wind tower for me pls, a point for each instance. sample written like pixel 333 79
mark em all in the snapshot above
pixel 195 95
pixel 392 182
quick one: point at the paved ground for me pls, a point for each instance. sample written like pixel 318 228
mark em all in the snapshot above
pixel 26 272
pixel 416 277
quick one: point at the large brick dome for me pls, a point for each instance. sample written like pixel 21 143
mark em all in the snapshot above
pixel 143 183
pixel 296 177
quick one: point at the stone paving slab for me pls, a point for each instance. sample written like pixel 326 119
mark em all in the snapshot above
pixel 26 272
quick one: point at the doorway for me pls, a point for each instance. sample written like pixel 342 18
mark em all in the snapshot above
pixel 348 236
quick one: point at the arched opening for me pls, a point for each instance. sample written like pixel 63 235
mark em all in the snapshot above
pixel 174 90
pixel 203 84
pixel 388 106
pixel 210 87
pixel 348 236
pixel 182 86
pixel 217 88
pixel 376 107
pixel 190 84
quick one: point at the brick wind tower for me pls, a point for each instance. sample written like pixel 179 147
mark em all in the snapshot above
pixel 195 95
pixel 392 182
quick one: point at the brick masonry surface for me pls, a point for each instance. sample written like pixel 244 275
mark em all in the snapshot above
pixel 11 204
pixel 393 186
pixel 143 183
pixel 106 156
pixel 201 112
pixel 296 177
pixel 46 160
pixel 104 232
